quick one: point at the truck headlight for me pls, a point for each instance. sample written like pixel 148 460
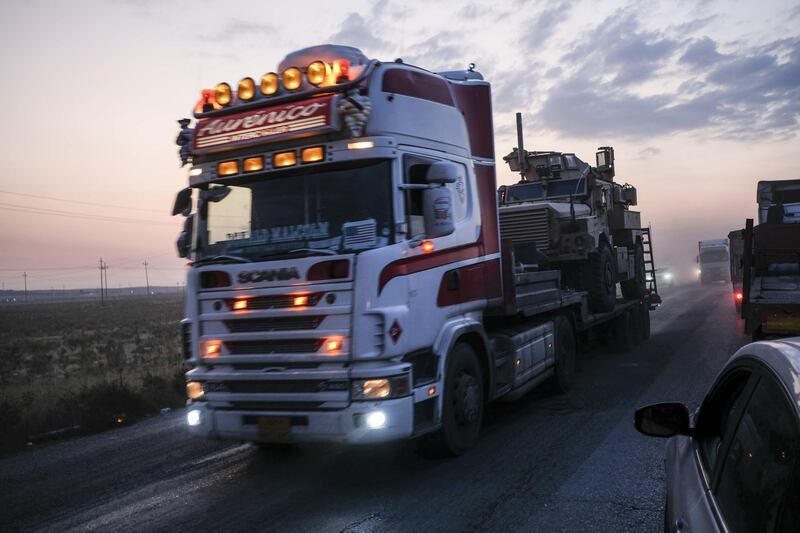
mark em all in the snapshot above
pixel 381 388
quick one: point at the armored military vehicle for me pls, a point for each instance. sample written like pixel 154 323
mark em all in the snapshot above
pixel 567 215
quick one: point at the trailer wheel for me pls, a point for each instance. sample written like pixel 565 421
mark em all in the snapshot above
pixel 637 327
pixel 623 332
pixel 636 287
pixel 565 356
pixel 462 405
pixel 644 321
pixel 600 280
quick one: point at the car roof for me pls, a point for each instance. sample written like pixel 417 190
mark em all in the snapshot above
pixel 780 355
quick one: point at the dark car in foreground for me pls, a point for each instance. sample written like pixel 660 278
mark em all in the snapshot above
pixel 733 466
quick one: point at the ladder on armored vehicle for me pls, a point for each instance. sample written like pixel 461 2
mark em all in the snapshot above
pixel 650 266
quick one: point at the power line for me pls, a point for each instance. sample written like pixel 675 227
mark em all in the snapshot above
pixel 85 216
pixel 82 202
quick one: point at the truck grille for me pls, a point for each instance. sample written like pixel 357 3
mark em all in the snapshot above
pixel 526 226
pixel 279 301
pixel 266 347
pixel 248 325
pixel 277 387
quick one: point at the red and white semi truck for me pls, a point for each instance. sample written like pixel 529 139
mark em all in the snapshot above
pixel 349 281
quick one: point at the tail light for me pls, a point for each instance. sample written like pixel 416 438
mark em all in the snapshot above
pixel 337 269
pixel 739 296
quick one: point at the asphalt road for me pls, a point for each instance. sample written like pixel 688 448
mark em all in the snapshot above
pixel 544 463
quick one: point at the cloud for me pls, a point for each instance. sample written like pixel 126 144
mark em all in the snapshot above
pixel 357 31
pixel 237 28
pixel 541 26
pixel 747 93
pixel 648 152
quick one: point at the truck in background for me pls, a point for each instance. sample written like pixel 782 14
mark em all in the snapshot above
pixel 349 281
pixel 713 260
pixel 736 240
pixel 771 262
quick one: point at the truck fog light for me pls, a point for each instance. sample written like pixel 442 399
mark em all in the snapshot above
pixel 375 420
pixel 193 417
pixel 194 390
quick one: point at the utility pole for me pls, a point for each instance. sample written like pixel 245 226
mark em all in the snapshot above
pixel 105 275
pixel 102 285
pixel 25 278
pixel 146 277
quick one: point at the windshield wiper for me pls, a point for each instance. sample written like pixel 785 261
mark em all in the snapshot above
pixel 221 259
pixel 322 251
pixel 291 253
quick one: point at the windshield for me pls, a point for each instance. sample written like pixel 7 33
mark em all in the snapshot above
pixel 337 208
pixel 713 256
pixel 555 189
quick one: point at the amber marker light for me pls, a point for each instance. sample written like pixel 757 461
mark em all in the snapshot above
pixel 427 247
pixel 317 72
pixel 292 78
pixel 431 391
pixel 313 154
pixel 222 94
pixel 228 168
pixel 360 145
pixel 240 305
pixel 210 348
pixel 300 301
pixel 284 159
pixel 253 164
pixel 269 84
pixel 333 344
pixel 247 89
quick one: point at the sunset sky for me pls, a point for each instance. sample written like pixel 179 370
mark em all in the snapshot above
pixel 699 99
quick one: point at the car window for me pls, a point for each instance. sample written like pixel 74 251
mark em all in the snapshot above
pixel 717 416
pixel 756 479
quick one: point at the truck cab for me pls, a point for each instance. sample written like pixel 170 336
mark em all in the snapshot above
pixel 713 260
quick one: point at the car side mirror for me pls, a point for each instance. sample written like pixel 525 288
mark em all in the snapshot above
pixel 663 420
pixel 183 203
pixel 184 243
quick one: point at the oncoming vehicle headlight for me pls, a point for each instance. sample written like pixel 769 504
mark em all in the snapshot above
pixel 381 388
pixel 193 417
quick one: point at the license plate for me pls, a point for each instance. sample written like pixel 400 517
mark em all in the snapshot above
pixel 275 428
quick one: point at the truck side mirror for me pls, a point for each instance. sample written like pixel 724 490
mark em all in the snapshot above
pixel 437 202
pixel 442 172
pixel 663 420
pixel 184 243
pixel 183 203
pixel 437 206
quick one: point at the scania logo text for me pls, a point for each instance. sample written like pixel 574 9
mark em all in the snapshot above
pixel 273 274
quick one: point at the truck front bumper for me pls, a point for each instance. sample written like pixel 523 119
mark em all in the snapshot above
pixel 355 424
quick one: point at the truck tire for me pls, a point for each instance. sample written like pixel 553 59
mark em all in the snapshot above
pixel 462 405
pixel 623 332
pixel 636 287
pixel 637 327
pixel 565 356
pixel 599 280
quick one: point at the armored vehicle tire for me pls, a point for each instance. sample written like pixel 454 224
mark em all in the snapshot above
pixel 462 405
pixel 600 277
pixel 637 286
pixel 566 354
pixel 623 332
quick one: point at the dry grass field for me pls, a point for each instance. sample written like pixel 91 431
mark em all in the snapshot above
pixel 82 364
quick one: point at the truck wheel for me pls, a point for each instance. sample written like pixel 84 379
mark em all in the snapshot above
pixel 636 287
pixel 565 355
pixel 600 280
pixel 623 332
pixel 462 405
